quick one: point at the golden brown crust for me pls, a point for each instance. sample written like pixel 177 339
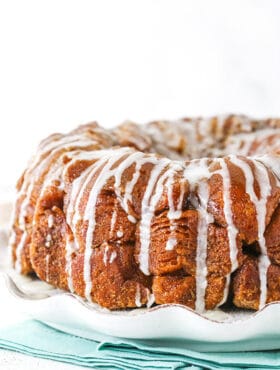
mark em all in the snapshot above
pixel 105 257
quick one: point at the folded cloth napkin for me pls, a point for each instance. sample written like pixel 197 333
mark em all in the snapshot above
pixel 37 339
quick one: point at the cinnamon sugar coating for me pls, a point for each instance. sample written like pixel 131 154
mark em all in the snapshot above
pixel 181 212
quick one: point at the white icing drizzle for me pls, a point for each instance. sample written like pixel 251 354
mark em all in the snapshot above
pixel 171 242
pixel 37 169
pixel 129 189
pixel 80 185
pixel 150 298
pixel 11 244
pixel 132 219
pixel 89 214
pixel 271 161
pixel 50 221
pixel 47 260
pixel 104 165
pixel 232 231
pixel 128 162
pixel 48 240
pixel 226 290
pixel 242 143
pixel 203 127
pixel 19 251
pixel 119 233
pixel 264 262
pixel 113 256
pixel 78 189
pixel 72 212
pixel 70 247
pixel 173 212
pixel 113 220
pixel 150 199
pixel 138 296
pixel 105 255
pixel 201 249
pixel 197 174
pixel 260 205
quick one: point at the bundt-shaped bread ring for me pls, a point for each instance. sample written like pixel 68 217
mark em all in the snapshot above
pixel 181 212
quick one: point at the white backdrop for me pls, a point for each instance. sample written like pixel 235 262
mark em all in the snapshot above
pixel 67 62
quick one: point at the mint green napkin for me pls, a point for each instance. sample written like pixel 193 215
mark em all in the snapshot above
pixel 37 339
